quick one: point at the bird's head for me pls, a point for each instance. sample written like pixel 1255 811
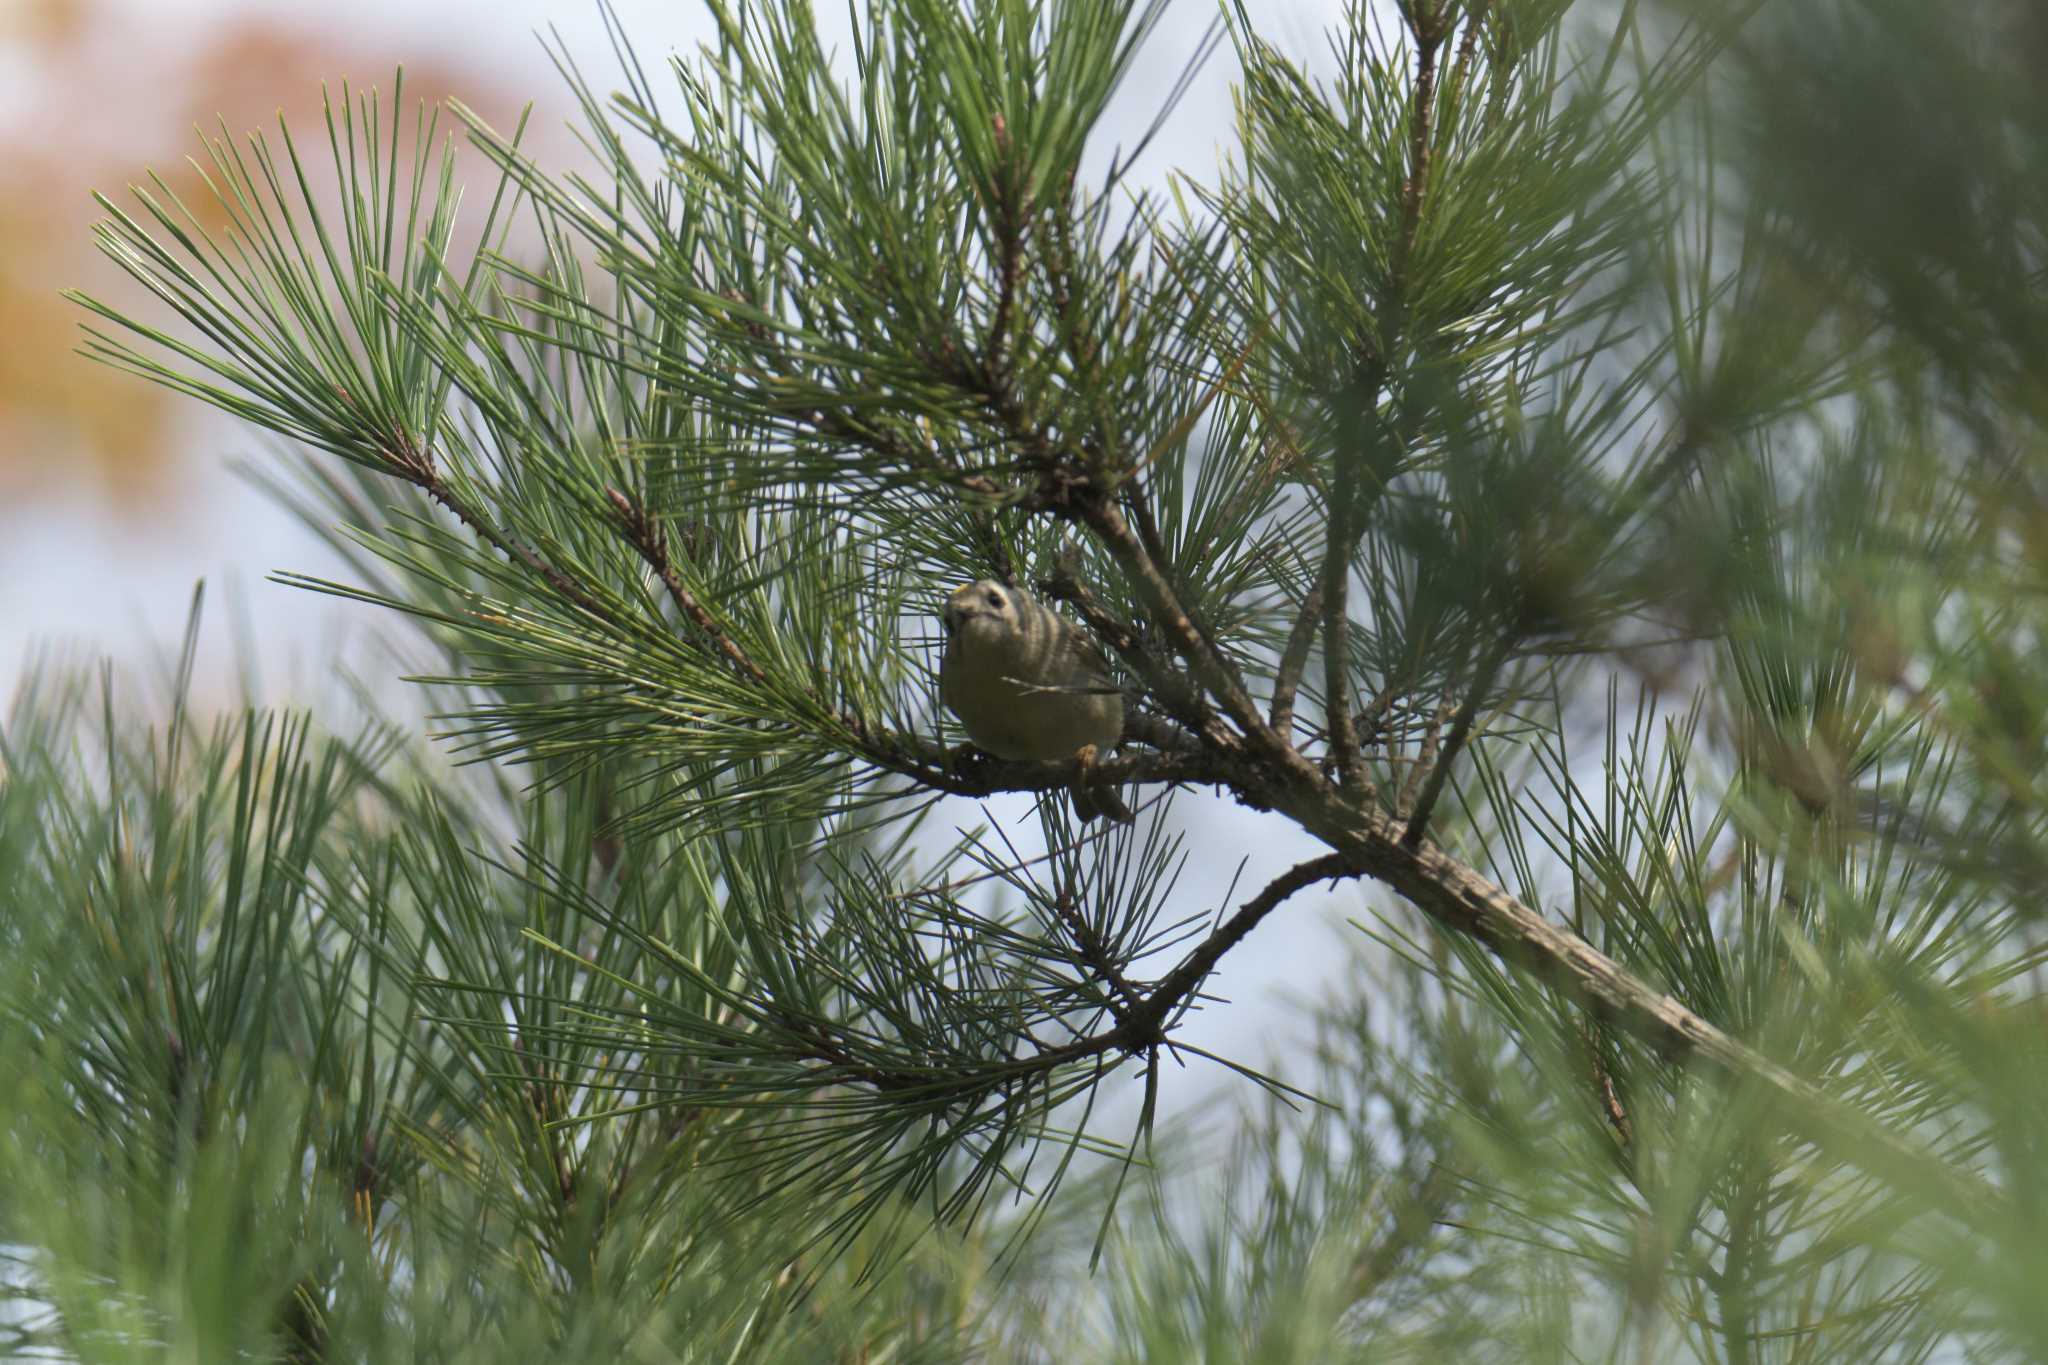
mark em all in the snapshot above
pixel 984 605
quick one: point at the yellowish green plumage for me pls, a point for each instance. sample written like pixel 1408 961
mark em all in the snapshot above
pixel 1028 684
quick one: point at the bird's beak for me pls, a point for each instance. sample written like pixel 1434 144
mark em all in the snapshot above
pixel 955 611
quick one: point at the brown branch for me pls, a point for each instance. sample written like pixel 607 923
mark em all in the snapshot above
pixel 1462 900
pixel 1145 1024
pixel 1124 997
pixel 1181 982
pixel 1172 689
pixel 646 537
pixel 1372 717
pixel 1159 732
pixel 1335 598
pixel 1603 1085
pixel 1425 758
pixel 1461 730
pixel 1140 1023
pixel 1429 36
pixel 1163 605
pixel 938 768
pixel 416 466
pixel 1293 660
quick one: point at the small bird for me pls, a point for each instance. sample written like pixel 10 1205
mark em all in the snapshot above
pixel 1027 684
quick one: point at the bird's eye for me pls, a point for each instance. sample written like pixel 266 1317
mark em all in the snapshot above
pixel 995 598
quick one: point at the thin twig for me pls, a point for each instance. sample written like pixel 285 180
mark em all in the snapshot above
pixel 1293 659
pixel 1371 720
pixel 645 536
pixel 1163 605
pixel 1181 982
pixel 1424 762
pixel 1124 997
pixel 1461 730
pixel 416 466
pixel 1336 604
pixel 1603 1085
pixel 1173 689
pixel 1010 229
pixel 1468 47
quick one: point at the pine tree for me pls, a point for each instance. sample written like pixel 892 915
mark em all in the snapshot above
pixel 1578 465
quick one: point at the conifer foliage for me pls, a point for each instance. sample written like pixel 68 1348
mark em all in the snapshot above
pixel 1543 463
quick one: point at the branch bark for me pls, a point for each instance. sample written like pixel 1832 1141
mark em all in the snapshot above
pixel 1462 900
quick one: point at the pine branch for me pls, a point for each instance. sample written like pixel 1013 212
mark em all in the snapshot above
pixel 1013 323
pixel 1461 899
pixel 1269 773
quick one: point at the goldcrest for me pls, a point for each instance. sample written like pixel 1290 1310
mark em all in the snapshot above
pixel 1028 684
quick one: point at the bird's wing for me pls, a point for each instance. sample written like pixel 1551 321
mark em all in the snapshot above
pixel 1094 665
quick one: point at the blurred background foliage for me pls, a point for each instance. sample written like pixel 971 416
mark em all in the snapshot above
pixel 93 101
